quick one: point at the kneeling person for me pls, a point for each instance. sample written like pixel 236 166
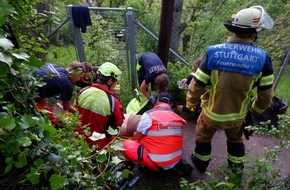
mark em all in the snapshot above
pixel 159 137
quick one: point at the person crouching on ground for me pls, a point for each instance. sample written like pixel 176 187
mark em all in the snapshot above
pixel 151 71
pixel 60 84
pixel 99 107
pixel 159 138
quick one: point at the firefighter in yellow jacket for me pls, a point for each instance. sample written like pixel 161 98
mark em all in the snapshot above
pixel 232 69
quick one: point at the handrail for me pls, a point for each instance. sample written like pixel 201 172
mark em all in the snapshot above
pixel 281 70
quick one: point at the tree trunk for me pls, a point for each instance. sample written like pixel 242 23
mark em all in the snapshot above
pixel 42 8
pixel 177 28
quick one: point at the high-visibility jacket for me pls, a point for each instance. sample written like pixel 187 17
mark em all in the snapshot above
pixel 164 139
pixel 97 113
pixel 233 69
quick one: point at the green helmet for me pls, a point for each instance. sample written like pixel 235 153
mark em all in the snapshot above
pixel 109 70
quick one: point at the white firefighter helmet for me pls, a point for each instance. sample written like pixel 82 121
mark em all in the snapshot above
pixel 250 19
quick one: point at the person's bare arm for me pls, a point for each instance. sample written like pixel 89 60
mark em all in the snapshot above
pixel 68 107
pixel 144 88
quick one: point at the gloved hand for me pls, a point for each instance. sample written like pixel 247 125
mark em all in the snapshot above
pixel 250 120
pixel 152 100
pixel 194 111
pixel 255 119
pixel 247 132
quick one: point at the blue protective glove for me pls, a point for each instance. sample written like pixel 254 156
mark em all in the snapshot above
pixel 152 100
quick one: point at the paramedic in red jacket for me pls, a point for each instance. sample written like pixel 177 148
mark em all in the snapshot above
pixel 159 138
pixel 99 107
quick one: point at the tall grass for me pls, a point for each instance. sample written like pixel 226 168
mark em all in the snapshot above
pixel 62 56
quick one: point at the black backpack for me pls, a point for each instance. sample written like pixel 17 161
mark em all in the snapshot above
pixel 278 107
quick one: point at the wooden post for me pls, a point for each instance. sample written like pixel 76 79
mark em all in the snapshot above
pixel 165 30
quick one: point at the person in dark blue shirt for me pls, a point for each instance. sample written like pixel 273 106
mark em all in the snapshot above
pixel 59 83
pixel 151 70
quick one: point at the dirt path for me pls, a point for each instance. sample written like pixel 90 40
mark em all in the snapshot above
pixel 255 146
pixel 170 180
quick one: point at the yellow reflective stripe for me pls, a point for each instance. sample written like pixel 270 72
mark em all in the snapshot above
pixel 189 105
pixel 138 66
pixel 247 101
pixel 224 117
pixel 204 158
pixel 200 75
pixel 212 91
pixel 236 160
pixel 256 109
pixel 267 80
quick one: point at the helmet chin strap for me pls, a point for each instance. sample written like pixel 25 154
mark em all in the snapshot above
pixel 109 85
pixel 256 37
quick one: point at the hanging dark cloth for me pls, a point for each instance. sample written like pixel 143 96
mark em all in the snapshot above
pixel 81 17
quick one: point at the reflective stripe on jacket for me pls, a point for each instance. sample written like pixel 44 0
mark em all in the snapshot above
pixel 233 69
pixel 164 139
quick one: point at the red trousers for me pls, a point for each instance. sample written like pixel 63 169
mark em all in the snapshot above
pixel 43 104
pixel 131 153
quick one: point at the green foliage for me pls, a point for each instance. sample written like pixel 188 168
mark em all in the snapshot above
pixel 205 18
pixel 178 72
pixel 61 55
pixel 149 16
pixel 27 24
pixel 35 154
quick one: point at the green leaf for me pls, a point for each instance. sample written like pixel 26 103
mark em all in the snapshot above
pixel 34 137
pixel 10 109
pixel 57 182
pixel 112 131
pixel 9 162
pixel 23 56
pixel 22 161
pixel 5 59
pixel 54 159
pixel 6 44
pixel 8 123
pixel 50 128
pixel 97 136
pixel 6 8
pixel 24 141
pixel 3 70
pixel 116 160
pixel 33 176
pixel 34 61
pixel 117 145
pixel 39 162
pixel 101 158
pixel 27 121
pixel 8 168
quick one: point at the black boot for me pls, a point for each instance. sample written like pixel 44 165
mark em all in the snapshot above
pixel 184 167
pixel 199 164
